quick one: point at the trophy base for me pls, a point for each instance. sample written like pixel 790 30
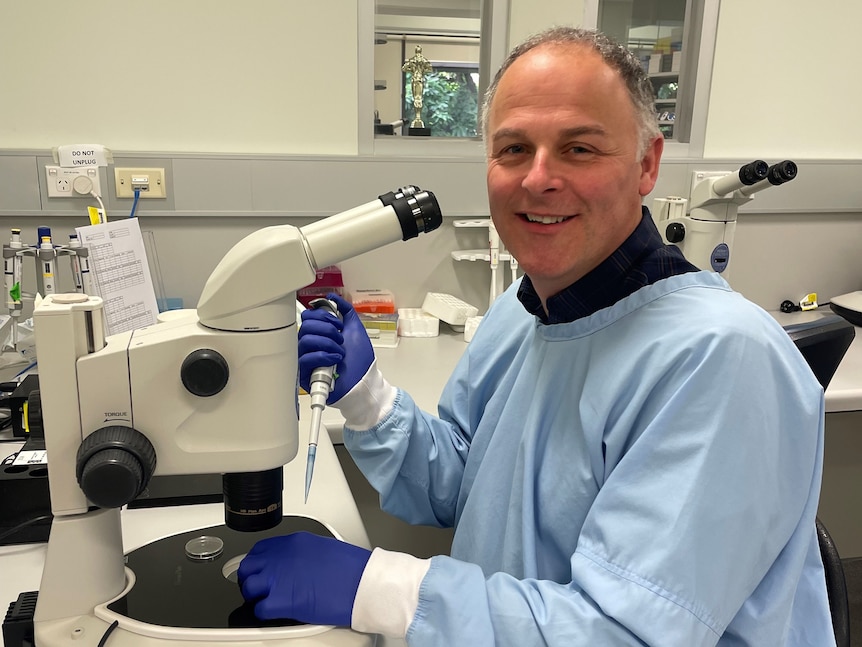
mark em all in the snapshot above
pixel 419 132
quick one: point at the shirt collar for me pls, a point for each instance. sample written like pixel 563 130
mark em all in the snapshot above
pixel 642 259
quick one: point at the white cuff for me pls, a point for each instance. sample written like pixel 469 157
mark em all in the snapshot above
pixel 368 402
pixel 388 593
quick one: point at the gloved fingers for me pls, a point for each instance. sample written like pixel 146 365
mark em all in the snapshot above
pixel 250 565
pixel 344 306
pixel 314 360
pixel 316 343
pixel 273 608
pixel 327 328
pixel 255 587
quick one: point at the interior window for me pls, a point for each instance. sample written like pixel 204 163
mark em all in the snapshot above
pixel 664 36
pixel 448 32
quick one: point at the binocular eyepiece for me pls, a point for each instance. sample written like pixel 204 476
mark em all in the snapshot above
pixel 781 172
pixel 755 176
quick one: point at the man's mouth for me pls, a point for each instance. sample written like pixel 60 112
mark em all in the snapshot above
pixel 545 220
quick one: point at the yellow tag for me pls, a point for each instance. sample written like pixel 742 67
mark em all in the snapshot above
pixel 94 215
pixel 809 301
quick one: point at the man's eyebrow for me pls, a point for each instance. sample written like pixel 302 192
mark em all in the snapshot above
pixel 583 130
pixel 507 133
pixel 579 131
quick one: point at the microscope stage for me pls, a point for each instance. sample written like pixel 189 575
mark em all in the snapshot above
pixel 172 589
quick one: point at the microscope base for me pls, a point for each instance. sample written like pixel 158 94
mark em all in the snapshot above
pixel 172 597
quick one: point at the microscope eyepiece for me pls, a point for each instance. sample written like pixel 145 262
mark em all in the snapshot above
pixel 754 172
pixel 402 192
pixel 417 214
pixel 781 172
pixel 747 175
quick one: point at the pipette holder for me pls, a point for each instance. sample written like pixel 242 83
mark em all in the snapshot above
pixel 494 255
pixel 13 263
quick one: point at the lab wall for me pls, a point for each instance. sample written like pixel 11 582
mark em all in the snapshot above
pixel 253 105
pixel 269 76
pixel 281 77
pixel 785 80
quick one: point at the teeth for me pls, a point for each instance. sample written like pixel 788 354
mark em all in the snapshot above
pixel 545 220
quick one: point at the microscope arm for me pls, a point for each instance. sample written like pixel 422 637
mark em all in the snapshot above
pixel 253 287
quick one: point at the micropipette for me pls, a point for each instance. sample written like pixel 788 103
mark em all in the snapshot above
pixel 319 388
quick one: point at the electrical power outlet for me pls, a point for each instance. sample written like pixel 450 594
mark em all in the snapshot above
pixel 149 181
pixel 72 182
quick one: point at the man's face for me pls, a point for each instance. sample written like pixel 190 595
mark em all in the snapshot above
pixel 564 179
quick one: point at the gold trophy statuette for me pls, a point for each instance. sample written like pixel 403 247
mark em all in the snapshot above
pixel 419 67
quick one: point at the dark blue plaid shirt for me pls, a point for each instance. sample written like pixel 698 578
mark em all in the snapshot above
pixel 641 260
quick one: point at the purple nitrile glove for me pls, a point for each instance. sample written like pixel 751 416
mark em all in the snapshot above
pixel 324 340
pixel 303 576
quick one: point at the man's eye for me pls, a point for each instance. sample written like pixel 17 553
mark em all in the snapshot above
pixel 579 149
pixel 514 148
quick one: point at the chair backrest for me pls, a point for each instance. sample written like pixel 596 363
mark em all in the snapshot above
pixel 836 586
pixel 823 344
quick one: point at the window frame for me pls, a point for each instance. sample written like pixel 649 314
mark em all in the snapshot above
pixel 494 47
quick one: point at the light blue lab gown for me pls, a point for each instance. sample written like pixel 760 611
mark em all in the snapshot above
pixel 646 475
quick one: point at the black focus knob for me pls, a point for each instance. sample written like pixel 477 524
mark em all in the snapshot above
pixel 34 414
pixel 204 372
pixel 675 232
pixel 114 465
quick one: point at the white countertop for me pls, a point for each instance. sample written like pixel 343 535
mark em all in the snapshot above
pixel 845 390
pixel 418 365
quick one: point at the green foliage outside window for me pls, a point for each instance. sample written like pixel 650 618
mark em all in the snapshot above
pixel 449 103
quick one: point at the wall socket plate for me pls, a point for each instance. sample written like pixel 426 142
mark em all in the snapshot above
pixel 150 181
pixel 72 182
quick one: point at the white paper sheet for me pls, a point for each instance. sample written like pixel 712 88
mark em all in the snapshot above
pixel 118 263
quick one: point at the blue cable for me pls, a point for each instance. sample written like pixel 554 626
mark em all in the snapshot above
pixel 135 203
pixel 25 369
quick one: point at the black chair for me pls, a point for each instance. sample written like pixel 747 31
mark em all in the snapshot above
pixel 836 586
pixel 823 343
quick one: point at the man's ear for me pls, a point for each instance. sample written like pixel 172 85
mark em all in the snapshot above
pixel 650 165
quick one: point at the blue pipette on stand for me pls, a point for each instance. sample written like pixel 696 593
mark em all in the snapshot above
pixel 319 389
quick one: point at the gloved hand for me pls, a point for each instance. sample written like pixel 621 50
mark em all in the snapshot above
pixel 325 340
pixel 303 577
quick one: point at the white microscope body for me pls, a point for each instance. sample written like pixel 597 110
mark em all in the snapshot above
pixel 211 391
pixel 705 234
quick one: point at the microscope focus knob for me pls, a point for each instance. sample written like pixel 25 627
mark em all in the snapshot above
pixel 204 372
pixel 675 232
pixel 115 465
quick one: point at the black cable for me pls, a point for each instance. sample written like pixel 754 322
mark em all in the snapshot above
pixel 24 524
pixel 107 633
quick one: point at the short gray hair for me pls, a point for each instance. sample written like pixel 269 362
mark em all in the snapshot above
pixel 615 56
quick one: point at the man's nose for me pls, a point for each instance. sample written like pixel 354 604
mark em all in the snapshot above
pixel 544 173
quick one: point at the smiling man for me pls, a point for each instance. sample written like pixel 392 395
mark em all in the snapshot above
pixel 568 162
pixel 629 451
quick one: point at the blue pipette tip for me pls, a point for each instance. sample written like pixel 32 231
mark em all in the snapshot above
pixel 309 469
